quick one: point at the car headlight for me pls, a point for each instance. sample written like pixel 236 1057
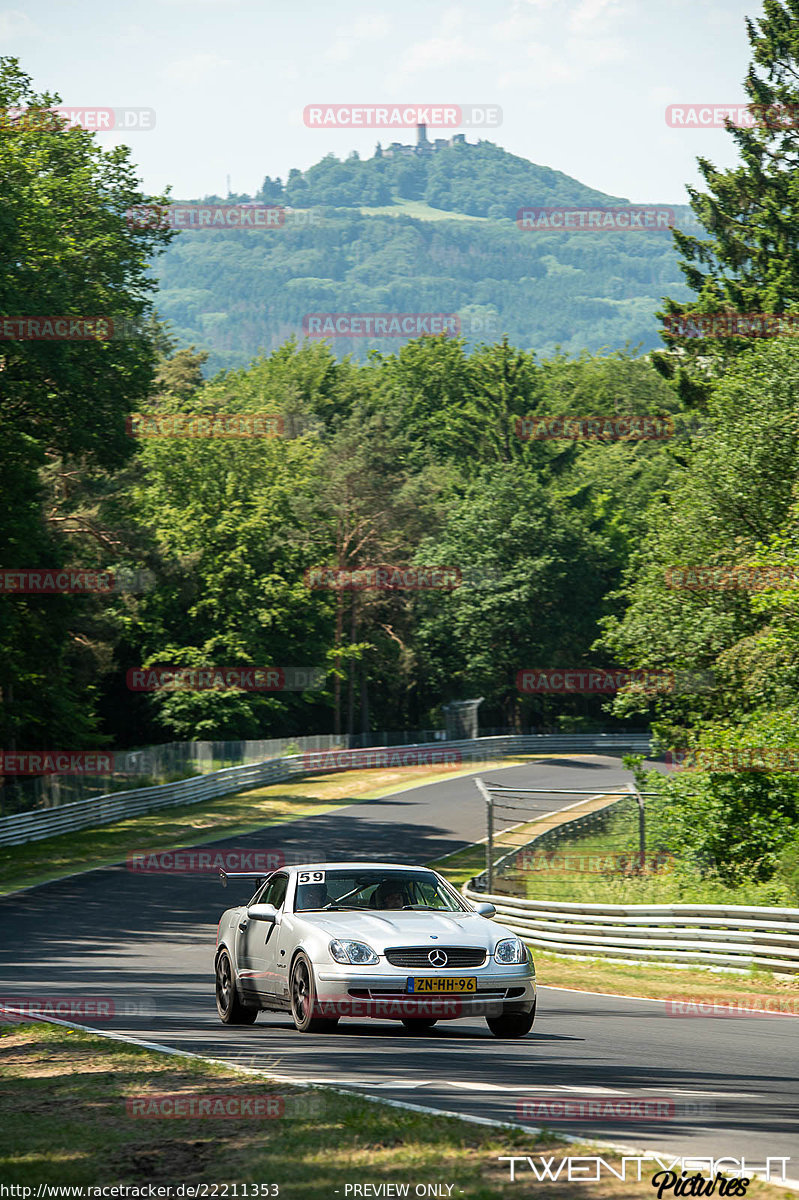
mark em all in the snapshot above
pixel 357 953
pixel 511 950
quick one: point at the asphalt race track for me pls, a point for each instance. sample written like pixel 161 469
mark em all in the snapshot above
pixel 147 942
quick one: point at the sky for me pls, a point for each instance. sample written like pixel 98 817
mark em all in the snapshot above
pixel 582 85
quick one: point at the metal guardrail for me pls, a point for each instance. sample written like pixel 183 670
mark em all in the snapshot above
pixel 102 810
pixel 732 935
pixel 700 934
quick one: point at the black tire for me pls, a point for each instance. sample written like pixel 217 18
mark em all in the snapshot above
pixel 303 1000
pixel 228 1005
pixel 511 1025
pixel 419 1024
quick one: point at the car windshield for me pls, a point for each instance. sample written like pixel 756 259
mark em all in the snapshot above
pixel 374 890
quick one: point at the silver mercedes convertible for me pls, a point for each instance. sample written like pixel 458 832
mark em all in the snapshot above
pixel 367 940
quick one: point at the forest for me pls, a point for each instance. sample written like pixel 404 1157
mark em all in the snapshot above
pixel 562 552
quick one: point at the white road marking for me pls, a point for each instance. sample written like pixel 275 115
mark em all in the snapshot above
pixel 479 1085
pixel 659 1092
pixel 399 1084
pixel 467 1085
pixel 724 1095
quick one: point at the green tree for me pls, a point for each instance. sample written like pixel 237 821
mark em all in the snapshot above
pixel 533 584
pixel 66 249
pixel 749 262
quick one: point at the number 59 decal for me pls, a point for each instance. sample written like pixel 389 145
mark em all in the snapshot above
pixel 311 877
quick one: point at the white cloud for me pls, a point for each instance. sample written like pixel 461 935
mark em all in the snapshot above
pixel 199 68
pixel 16 24
pixel 456 41
pixel 592 12
pixel 596 51
pixel 375 25
pixel 542 65
pixel 349 40
pixel 437 53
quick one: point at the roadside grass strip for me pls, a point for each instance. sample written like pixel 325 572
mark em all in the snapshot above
pixel 575 872
pixel 78 1109
pixel 74 1110
pixel 237 813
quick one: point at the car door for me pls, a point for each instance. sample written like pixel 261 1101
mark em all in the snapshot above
pixel 258 944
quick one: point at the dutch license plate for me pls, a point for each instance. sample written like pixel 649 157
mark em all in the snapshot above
pixel 457 983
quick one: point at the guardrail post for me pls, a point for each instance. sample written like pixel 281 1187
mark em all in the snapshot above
pixel 481 787
pixel 641 826
pixel 490 844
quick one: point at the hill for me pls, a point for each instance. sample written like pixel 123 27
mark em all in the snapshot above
pixel 481 180
pixel 433 233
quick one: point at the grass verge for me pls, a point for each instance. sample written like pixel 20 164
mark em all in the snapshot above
pixel 195 824
pixel 74 1113
pixel 597 876
pixel 401 207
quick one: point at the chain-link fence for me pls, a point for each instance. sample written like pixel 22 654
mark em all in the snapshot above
pixel 167 763
pixel 564 841
pixel 171 761
pixel 150 766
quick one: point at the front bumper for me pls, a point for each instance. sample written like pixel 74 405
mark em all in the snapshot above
pixel 377 992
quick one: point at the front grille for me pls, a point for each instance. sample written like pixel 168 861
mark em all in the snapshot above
pixel 416 957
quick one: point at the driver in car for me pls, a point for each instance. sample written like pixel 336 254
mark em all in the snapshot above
pixel 312 896
pixel 389 894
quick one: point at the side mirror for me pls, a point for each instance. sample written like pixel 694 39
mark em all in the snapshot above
pixel 262 912
pixel 485 909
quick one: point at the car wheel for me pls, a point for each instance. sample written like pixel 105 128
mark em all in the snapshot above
pixel 511 1025
pixel 303 999
pixel 230 1008
pixel 419 1024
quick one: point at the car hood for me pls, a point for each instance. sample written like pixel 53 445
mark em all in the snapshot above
pixel 382 930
